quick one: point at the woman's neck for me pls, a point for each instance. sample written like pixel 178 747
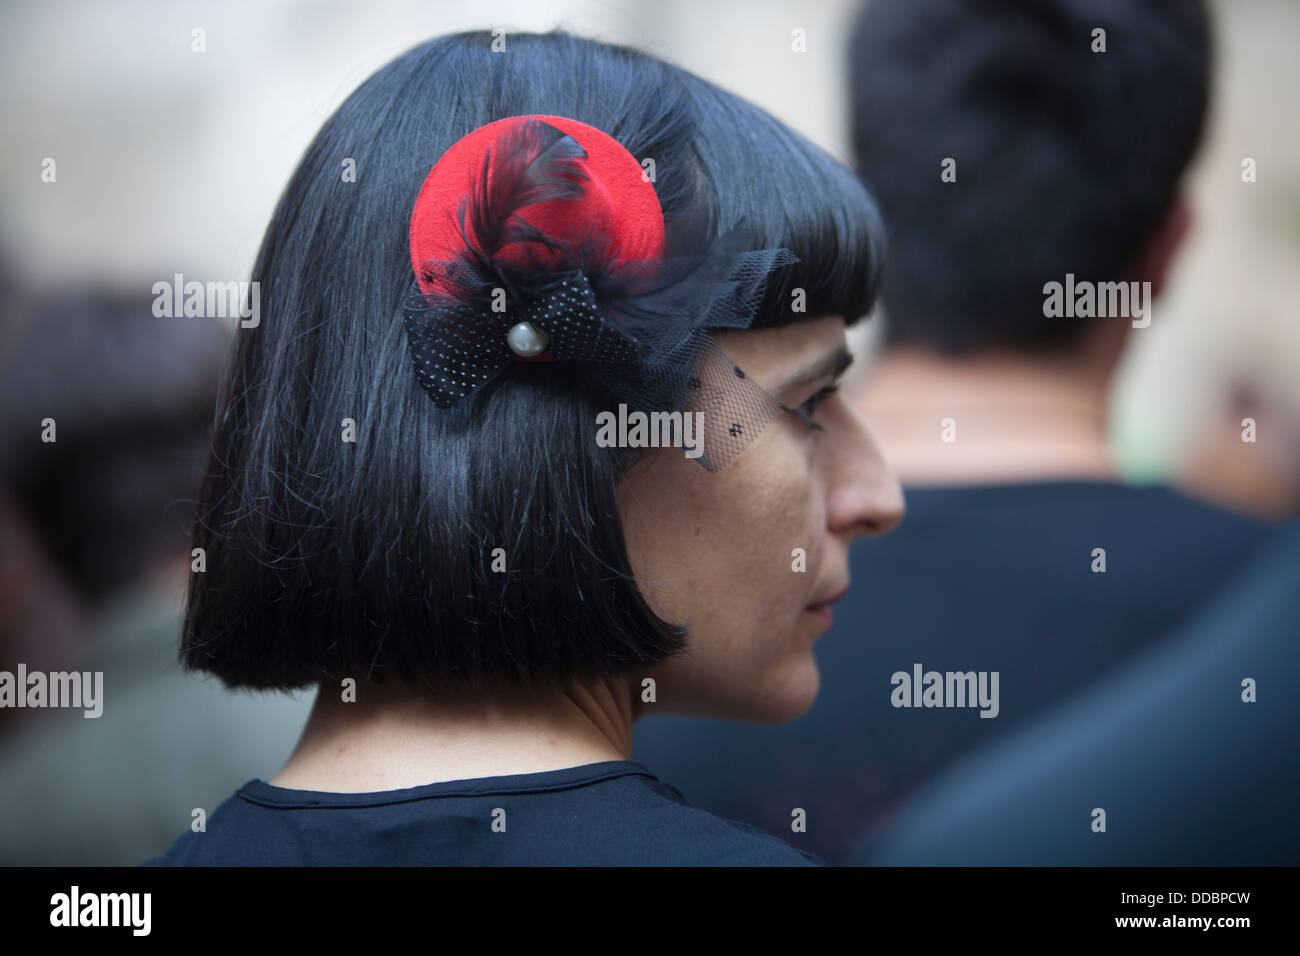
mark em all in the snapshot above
pixel 392 737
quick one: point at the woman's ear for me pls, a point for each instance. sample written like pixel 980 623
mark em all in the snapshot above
pixel 1157 254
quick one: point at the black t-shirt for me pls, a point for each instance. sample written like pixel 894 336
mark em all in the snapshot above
pixel 1190 767
pixel 976 578
pixel 612 813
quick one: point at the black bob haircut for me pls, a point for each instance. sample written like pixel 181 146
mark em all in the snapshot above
pixel 373 559
pixel 1066 160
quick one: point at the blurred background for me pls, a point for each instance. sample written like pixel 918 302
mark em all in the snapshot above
pixel 168 159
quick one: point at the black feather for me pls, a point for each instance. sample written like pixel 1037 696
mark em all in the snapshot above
pixel 531 162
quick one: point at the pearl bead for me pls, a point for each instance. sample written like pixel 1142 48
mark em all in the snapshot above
pixel 527 340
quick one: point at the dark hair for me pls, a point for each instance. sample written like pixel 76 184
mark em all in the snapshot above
pixel 1066 160
pixel 131 396
pixel 374 559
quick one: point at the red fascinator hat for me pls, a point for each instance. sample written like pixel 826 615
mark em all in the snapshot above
pixel 616 201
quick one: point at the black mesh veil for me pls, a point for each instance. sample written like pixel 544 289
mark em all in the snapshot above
pixel 641 330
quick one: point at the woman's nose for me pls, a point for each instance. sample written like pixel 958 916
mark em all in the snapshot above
pixel 871 505
pixel 866 498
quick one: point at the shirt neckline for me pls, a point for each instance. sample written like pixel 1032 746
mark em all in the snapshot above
pixel 259 792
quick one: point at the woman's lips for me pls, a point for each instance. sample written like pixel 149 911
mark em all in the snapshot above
pixel 823 608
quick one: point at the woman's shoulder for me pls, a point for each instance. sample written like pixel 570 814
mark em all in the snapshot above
pixel 687 835
pixel 613 813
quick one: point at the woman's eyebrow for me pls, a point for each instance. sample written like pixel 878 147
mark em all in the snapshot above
pixel 831 365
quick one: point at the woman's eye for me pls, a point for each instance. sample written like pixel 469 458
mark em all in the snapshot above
pixel 805 411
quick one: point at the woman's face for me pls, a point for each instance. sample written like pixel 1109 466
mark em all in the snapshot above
pixel 747 557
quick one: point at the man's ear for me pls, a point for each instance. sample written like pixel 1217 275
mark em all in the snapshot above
pixel 1157 254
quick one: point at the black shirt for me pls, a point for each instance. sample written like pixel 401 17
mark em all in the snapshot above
pixel 1190 767
pixel 612 813
pixel 976 578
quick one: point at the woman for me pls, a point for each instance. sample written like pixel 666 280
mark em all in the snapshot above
pixel 410 502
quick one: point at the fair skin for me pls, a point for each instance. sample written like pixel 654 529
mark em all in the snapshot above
pixel 1018 417
pixel 712 551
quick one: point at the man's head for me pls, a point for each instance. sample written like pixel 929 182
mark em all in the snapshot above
pixel 1011 144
